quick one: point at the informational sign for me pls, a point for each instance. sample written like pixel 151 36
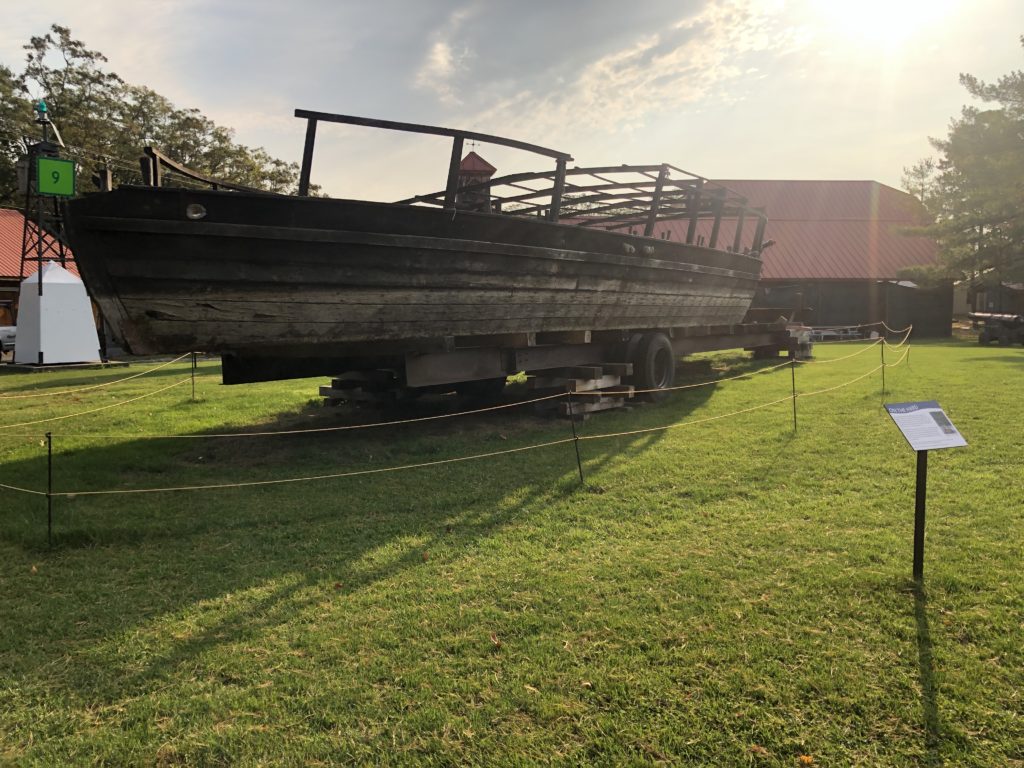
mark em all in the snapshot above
pixel 55 176
pixel 925 425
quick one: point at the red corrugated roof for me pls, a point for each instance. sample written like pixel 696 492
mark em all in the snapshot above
pixel 12 223
pixel 828 230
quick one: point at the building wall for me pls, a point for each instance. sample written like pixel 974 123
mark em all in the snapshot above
pixel 858 302
pixel 929 310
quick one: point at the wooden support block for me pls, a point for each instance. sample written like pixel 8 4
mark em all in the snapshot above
pixel 618 369
pixel 622 390
pixel 360 378
pixel 353 395
pixel 573 372
pixel 507 340
pixel 590 405
pixel 573 385
pixel 564 337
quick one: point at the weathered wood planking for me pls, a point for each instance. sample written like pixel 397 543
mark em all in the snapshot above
pixel 260 271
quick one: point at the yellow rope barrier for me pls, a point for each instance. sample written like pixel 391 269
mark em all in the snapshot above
pixel 310 478
pixel 379 470
pixel 95 386
pixel 94 410
pixel 873 344
pixel 839 386
pixel 786 399
pixel 904 357
pixel 691 386
pixel 311 430
pixel 22 490
pixel 901 330
pixel 906 338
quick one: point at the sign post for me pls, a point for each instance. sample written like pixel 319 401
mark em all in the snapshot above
pixel 926 427
pixel 919 505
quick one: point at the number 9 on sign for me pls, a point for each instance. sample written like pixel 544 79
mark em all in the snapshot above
pixel 56 177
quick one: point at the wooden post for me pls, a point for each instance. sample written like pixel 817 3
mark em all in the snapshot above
pixel 557 190
pixel 307 157
pixel 762 221
pixel 652 215
pixel 158 172
pixel 146 169
pixel 739 226
pixel 691 228
pixel 718 205
pixel 453 173
pixel 193 377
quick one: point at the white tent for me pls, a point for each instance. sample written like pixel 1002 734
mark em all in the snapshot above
pixel 58 326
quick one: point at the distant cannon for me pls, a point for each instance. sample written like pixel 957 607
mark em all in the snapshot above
pixel 1005 329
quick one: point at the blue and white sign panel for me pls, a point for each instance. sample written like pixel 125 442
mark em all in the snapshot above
pixel 925 425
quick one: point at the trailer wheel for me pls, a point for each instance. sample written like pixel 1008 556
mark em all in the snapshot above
pixel 654 365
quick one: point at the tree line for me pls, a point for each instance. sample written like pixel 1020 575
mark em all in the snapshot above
pixel 974 190
pixel 104 121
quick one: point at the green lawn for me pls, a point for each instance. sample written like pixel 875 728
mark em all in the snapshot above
pixel 726 593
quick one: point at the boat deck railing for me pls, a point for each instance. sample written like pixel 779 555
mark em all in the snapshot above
pixel 155 163
pixel 633 198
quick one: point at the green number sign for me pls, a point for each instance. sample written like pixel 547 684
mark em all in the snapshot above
pixel 55 176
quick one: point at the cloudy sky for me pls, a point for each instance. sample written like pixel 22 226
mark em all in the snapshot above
pixel 822 89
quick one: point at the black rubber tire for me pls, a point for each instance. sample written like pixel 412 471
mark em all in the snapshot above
pixel 654 365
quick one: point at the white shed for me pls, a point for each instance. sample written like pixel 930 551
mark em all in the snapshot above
pixel 57 326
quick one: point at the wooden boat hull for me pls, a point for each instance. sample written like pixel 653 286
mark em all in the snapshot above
pixel 267 273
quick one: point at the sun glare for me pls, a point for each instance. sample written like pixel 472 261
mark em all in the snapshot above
pixel 879 23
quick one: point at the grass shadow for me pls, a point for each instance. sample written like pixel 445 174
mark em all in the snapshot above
pixel 1014 359
pixel 43 381
pixel 926 671
pixel 165 554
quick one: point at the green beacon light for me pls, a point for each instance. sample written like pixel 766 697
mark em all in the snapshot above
pixel 41 112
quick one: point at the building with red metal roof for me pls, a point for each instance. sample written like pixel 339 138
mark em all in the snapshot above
pixel 839 249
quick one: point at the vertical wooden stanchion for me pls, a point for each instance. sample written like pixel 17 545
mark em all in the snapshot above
pixel 575 437
pixel 49 489
pixel 792 375
pixel 193 377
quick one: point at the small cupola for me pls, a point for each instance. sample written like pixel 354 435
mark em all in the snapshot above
pixel 474 172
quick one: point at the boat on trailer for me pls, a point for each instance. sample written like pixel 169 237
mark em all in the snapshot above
pixel 486 277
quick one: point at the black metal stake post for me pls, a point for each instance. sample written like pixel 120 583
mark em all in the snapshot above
pixel 883 365
pixel 922 489
pixel 49 489
pixel 575 437
pixel 193 377
pixel 792 373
